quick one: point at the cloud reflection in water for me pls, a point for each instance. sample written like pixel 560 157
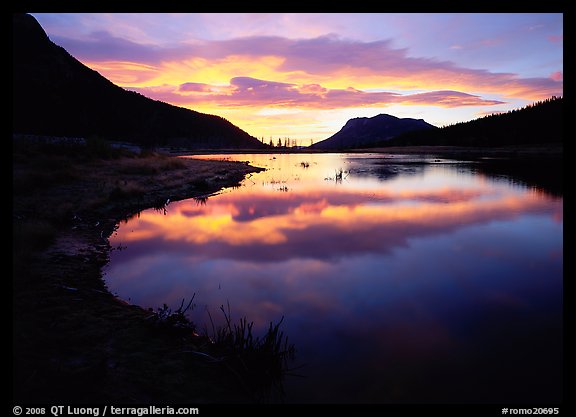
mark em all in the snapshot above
pixel 391 283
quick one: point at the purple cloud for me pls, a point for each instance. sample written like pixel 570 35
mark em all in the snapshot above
pixel 195 87
pixel 102 46
pixel 325 55
pixel 247 92
pixel 449 99
pixel 249 84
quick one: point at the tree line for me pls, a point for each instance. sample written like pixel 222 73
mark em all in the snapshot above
pixel 285 142
pixel 537 123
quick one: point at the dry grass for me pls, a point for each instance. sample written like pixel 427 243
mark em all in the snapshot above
pixel 57 185
pixel 71 338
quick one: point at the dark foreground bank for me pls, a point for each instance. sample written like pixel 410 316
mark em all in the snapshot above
pixel 76 343
pixel 73 342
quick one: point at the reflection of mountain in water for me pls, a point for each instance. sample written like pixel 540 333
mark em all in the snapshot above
pixel 544 174
pixel 387 171
pixel 446 274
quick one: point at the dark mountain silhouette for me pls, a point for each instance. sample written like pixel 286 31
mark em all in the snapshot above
pixel 539 123
pixel 365 131
pixel 55 94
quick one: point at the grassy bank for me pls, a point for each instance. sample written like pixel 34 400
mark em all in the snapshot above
pixel 73 341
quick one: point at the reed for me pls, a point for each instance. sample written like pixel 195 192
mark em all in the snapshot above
pixel 260 362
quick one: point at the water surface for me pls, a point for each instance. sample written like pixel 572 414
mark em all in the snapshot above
pixel 401 279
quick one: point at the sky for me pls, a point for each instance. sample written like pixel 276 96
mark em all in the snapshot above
pixel 303 75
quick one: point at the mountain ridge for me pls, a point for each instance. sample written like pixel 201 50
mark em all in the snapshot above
pixel 55 94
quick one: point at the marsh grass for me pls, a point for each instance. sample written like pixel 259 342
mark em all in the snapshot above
pixel 125 189
pixel 35 173
pixel 138 169
pixel 201 184
pixel 170 164
pixel 201 200
pixel 175 320
pixel 66 201
pixel 338 176
pixel 260 363
pixel 151 165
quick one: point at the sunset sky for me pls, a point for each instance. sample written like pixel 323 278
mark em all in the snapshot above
pixel 304 75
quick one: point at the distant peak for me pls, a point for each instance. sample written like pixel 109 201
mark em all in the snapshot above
pixel 378 116
pixel 363 131
pixel 381 116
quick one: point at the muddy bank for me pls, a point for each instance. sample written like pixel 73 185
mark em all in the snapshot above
pixel 73 342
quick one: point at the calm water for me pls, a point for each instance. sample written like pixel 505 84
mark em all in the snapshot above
pixel 403 282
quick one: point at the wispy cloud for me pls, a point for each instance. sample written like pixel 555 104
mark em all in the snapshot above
pixel 304 75
pixel 251 92
pixel 329 60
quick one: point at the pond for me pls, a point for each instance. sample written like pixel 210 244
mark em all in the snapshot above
pixel 401 279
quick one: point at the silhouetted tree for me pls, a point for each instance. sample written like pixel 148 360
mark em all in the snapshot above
pixel 537 123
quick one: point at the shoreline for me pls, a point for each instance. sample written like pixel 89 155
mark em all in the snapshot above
pixel 73 341
pixel 544 150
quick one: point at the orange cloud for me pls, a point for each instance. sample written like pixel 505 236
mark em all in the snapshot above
pixel 330 61
pixel 341 220
pixel 126 73
pixel 252 92
pixel 236 77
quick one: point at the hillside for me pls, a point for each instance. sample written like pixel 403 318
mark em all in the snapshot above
pixel 366 131
pixel 55 94
pixel 540 123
